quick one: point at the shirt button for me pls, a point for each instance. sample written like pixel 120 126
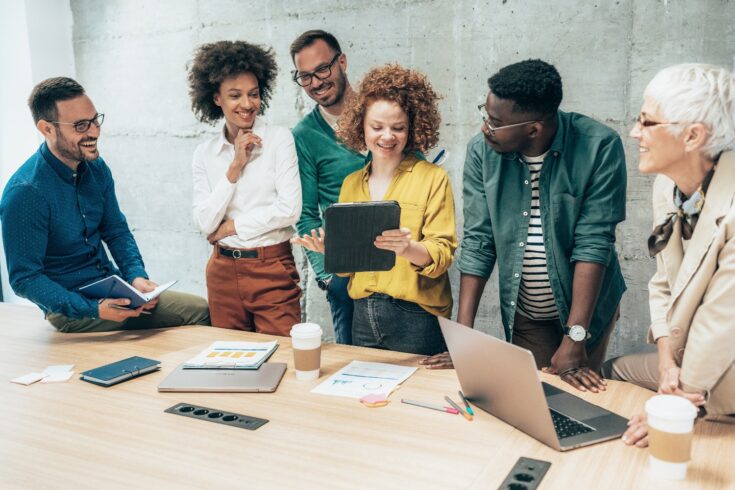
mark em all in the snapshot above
pixel 84 216
pixel 525 213
pixel 520 244
pixel 525 182
pixel 516 275
pixel 512 303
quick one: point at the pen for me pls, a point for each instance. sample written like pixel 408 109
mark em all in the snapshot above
pixel 438 156
pixel 431 406
pixel 466 403
pixel 455 406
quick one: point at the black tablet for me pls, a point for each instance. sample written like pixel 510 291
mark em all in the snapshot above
pixel 351 229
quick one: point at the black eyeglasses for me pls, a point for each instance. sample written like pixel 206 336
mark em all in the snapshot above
pixel 321 73
pixel 647 124
pixel 486 120
pixel 83 125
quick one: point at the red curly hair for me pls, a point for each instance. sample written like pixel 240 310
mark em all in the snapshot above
pixel 411 90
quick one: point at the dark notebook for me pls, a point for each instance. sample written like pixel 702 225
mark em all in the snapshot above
pixel 119 371
pixel 351 229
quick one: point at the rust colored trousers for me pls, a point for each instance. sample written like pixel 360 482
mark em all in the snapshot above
pixel 254 289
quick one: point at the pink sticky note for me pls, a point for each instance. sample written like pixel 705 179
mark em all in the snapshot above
pixel 373 398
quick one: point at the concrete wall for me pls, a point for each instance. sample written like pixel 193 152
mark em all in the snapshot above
pixel 132 55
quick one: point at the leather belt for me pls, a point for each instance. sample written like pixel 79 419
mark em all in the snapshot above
pixel 238 254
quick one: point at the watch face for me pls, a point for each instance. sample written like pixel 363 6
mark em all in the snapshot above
pixel 577 333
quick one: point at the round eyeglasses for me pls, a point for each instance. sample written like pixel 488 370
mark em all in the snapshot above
pixel 486 121
pixel 83 125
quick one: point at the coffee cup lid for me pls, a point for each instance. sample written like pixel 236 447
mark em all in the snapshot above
pixel 671 407
pixel 306 330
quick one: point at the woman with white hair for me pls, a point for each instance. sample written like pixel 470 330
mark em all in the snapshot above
pixel 686 135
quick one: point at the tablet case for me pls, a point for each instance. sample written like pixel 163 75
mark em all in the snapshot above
pixel 351 229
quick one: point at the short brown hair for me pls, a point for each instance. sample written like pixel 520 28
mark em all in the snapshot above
pixel 310 37
pixel 46 94
pixel 215 62
pixel 411 90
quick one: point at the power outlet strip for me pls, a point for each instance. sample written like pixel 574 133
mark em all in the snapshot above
pixel 526 474
pixel 217 416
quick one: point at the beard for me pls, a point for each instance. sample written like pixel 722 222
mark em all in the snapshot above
pixel 341 87
pixel 72 151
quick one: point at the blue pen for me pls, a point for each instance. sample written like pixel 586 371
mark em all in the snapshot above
pixel 466 403
pixel 438 156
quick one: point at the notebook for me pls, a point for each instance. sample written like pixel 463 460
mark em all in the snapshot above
pixel 115 287
pixel 232 355
pixel 351 229
pixel 117 372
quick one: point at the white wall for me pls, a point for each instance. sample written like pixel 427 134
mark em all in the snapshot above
pixel 35 43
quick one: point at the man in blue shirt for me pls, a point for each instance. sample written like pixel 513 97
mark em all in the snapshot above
pixel 56 211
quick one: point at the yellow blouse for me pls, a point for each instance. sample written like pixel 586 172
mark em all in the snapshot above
pixel 427 208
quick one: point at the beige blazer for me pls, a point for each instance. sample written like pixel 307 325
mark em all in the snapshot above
pixel 692 294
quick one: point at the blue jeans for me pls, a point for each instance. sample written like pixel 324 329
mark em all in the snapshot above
pixel 384 322
pixel 341 306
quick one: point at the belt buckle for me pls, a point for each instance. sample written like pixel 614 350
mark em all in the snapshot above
pixel 236 254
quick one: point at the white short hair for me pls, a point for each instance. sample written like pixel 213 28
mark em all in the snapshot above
pixel 696 92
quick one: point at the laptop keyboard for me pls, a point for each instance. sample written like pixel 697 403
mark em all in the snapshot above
pixel 568 427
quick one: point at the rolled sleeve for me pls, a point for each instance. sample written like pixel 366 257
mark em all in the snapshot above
pixel 603 207
pixel 477 251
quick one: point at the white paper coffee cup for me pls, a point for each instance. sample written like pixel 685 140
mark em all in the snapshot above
pixel 306 342
pixel 670 426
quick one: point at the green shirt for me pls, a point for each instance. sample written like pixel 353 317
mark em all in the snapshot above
pixel 323 164
pixel 582 199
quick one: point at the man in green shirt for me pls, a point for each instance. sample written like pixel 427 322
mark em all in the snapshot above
pixel 323 161
pixel 543 193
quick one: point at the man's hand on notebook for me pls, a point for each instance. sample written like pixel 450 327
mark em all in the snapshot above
pixel 438 361
pixel 145 286
pixel 314 242
pixel 570 363
pixel 115 309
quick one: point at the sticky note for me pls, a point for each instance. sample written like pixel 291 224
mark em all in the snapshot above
pixel 28 379
pixel 374 400
pixel 58 369
pixel 58 377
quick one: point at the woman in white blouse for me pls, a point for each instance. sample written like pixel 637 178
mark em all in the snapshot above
pixel 247 192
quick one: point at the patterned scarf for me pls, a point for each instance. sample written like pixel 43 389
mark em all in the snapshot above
pixel 687 212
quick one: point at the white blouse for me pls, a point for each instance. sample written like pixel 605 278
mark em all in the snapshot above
pixel 265 202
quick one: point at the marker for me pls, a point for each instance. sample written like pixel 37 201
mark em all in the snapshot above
pixel 430 406
pixel 455 406
pixel 466 403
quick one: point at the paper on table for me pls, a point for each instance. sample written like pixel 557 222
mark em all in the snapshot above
pixel 58 369
pixel 360 378
pixel 28 379
pixel 58 377
pixel 232 355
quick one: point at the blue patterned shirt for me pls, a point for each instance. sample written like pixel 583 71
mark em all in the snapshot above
pixel 54 221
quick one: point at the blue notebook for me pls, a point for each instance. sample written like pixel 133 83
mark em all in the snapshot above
pixel 115 287
pixel 119 371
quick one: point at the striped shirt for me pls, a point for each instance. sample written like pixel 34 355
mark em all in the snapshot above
pixel 535 298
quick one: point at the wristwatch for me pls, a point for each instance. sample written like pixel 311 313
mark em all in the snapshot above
pixel 577 333
pixel 323 283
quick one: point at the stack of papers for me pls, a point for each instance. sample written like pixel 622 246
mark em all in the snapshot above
pixel 360 378
pixel 52 374
pixel 232 355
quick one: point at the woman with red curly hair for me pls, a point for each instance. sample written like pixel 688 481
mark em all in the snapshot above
pixel 247 191
pixel 394 115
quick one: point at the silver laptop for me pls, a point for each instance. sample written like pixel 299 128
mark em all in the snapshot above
pixel 502 379
pixel 262 380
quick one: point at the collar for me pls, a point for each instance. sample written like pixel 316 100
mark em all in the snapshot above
pixel 62 170
pixel 406 165
pixel 222 143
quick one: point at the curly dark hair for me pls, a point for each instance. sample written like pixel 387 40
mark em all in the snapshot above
pixel 411 90
pixel 215 62
pixel 533 86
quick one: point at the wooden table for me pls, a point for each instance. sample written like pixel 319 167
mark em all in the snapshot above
pixel 78 435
